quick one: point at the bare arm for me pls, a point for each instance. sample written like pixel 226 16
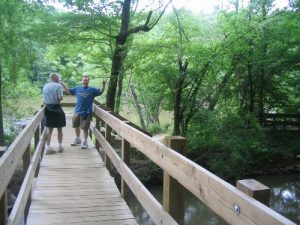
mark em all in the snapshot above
pixel 65 87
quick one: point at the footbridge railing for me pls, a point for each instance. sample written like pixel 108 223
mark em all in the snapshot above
pixel 31 139
pixel 228 202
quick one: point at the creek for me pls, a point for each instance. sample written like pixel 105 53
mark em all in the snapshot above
pixel 284 199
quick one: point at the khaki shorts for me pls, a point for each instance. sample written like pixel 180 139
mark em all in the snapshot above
pixel 78 121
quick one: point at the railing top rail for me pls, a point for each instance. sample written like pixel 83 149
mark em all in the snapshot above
pixel 281 115
pixel 121 118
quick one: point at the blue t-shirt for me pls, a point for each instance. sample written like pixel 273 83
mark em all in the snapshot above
pixel 85 97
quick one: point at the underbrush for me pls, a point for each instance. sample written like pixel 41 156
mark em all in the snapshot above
pixel 232 146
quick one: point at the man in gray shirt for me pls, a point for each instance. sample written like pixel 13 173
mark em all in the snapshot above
pixel 54 114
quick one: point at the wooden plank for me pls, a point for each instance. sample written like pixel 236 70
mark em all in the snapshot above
pixel 3 209
pixel 218 195
pixel 112 222
pixel 125 154
pixel 74 187
pixel 14 153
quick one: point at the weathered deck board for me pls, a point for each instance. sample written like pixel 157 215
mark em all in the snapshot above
pixel 74 187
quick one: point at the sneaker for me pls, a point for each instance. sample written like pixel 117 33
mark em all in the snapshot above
pixel 84 145
pixel 77 141
pixel 50 151
pixel 60 149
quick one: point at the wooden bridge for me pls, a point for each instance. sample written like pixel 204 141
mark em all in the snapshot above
pixel 75 187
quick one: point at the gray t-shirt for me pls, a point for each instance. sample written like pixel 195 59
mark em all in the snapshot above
pixel 52 92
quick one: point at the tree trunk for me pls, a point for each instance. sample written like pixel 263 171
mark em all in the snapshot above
pixel 120 50
pixel 1 114
pixel 119 93
pixel 118 56
pixel 263 69
pixel 138 106
pixel 178 113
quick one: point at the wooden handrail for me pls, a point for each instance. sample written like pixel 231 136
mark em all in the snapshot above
pixel 228 202
pixel 10 160
pixel 16 215
pixel 291 120
pixel 121 118
pixel 14 153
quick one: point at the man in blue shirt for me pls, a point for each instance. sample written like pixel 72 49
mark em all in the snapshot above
pixel 84 107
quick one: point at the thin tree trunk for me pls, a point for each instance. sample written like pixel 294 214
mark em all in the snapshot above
pixel 138 106
pixel 1 114
pixel 119 93
pixel 178 113
pixel 263 69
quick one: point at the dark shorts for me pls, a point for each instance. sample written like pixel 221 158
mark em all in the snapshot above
pixel 54 116
pixel 82 121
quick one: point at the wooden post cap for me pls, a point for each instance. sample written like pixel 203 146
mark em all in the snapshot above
pixel 255 189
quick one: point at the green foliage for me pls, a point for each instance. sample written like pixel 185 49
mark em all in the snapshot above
pixel 18 99
pixel 154 128
pixel 225 143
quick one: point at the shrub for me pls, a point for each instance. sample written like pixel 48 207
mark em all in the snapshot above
pixel 225 144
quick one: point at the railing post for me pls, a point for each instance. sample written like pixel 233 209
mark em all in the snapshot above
pixel 36 137
pixel 26 163
pixel 97 145
pixel 255 189
pixel 3 209
pixel 125 154
pixel 108 139
pixel 173 192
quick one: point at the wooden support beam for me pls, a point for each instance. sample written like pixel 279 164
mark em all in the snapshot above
pixel 3 209
pixel 97 145
pixel 125 154
pixel 108 131
pixel 255 189
pixel 26 164
pixel 173 191
pixel 2 150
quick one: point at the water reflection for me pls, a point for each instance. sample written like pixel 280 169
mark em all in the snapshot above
pixel 196 213
pixel 285 199
pixel 285 194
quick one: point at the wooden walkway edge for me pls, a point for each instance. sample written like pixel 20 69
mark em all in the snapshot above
pixel 74 187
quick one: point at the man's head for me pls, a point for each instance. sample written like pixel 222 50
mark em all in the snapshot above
pixel 85 80
pixel 54 77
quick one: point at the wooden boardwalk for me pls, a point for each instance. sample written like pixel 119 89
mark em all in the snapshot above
pixel 74 187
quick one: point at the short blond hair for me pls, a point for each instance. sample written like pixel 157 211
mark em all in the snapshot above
pixel 54 74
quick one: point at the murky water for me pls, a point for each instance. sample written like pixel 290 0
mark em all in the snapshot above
pixel 285 199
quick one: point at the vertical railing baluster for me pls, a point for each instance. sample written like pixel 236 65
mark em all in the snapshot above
pixel 108 131
pixel 3 209
pixel 97 145
pixel 125 154
pixel 26 163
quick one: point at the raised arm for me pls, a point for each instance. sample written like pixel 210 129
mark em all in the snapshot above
pixel 65 87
